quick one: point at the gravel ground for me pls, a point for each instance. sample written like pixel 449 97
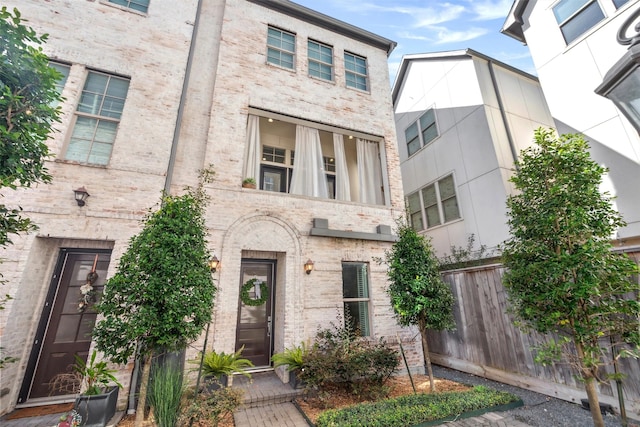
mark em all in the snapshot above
pixel 538 410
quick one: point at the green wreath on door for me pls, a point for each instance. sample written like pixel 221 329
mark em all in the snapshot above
pixel 248 285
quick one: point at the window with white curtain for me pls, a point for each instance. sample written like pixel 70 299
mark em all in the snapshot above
pixel 97 118
pixel 434 204
pixel 308 160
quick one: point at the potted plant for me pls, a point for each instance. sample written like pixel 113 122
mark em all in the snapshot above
pixel 293 359
pixel 249 183
pixel 97 390
pixel 216 367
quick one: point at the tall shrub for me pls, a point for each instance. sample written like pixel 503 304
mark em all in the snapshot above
pixel 162 293
pixel 418 294
pixel 562 276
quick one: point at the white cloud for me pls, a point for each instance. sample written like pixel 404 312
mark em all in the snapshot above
pixel 445 35
pixel 446 12
pixel 413 36
pixel 487 10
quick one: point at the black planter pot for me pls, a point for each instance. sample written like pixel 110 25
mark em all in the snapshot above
pixel 97 410
pixel 295 382
pixel 210 383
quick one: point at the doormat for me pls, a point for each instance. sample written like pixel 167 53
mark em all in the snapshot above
pixel 37 411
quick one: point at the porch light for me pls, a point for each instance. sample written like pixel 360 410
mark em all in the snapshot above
pixel 81 195
pixel 214 264
pixel 308 266
pixel 621 84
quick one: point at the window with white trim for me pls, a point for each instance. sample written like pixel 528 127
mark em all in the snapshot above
pixel 355 293
pixel 281 48
pixel 320 60
pixel 575 17
pixel 421 132
pixel 355 71
pixel 139 5
pixel 97 118
pixel 434 204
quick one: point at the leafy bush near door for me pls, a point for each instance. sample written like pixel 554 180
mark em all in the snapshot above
pixel 340 358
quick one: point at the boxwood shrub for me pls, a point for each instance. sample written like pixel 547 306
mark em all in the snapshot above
pixel 415 409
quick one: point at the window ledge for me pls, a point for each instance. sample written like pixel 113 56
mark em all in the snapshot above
pixel 124 8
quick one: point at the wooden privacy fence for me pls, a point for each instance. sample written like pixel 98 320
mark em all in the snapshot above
pixel 486 343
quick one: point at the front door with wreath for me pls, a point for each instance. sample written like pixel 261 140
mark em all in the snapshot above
pixel 255 313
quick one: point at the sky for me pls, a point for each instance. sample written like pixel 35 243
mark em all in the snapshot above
pixel 425 26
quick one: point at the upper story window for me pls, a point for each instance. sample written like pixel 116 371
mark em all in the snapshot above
pixel 320 60
pixel 139 5
pixel 97 118
pixel 281 48
pixel 576 17
pixel 355 294
pixel 421 132
pixel 619 3
pixel 355 71
pixel 436 203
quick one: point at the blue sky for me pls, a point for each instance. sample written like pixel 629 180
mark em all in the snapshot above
pixel 422 26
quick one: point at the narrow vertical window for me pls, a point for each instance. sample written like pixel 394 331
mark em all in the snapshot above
pixel 415 211
pixel 355 71
pixel 355 291
pixel 97 118
pixel 281 48
pixel 320 60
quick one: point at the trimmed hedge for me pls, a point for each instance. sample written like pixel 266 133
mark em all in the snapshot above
pixel 416 409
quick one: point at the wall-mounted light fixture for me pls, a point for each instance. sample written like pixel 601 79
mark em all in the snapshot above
pixel 214 264
pixel 621 84
pixel 308 266
pixel 81 195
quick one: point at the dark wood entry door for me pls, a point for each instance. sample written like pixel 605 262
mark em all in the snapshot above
pixel 255 322
pixel 66 324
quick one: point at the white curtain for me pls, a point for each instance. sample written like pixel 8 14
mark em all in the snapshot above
pixel 308 176
pixel 369 173
pixel 251 167
pixel 343 186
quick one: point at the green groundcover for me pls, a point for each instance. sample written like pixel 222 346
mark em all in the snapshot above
pixel 421 410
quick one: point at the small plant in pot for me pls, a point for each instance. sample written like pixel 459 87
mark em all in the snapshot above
pixel 97 390
pixel 249 183
pixel 293 359
pixel 216 367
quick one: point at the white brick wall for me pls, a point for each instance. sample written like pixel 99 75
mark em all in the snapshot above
pixel 229 76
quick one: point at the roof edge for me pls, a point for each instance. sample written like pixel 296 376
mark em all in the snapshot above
pixel 512 26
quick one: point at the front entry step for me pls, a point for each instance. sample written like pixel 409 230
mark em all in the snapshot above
pixel 264 388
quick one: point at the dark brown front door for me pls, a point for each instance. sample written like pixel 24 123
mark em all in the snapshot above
pixel 255 322
pixel 67 319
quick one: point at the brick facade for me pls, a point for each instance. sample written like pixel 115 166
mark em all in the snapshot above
pixel 229 77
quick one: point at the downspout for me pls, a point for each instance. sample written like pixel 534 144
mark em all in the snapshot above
pixel 167 182
pixel 503 113
pixel 183 97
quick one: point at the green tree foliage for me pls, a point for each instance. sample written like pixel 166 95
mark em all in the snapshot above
pixel 162 293
pixel 27 113
pixel 562 276
pixel 418 294
pixel 27 93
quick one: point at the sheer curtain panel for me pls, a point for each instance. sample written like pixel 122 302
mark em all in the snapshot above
pixel 252 150
pixel 343 186
pixel 308 177
pixel 369 173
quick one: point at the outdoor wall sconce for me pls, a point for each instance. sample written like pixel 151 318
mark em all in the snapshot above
pixel 308 266
pixel 81 195
pixel 214 264
pixel 621 84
